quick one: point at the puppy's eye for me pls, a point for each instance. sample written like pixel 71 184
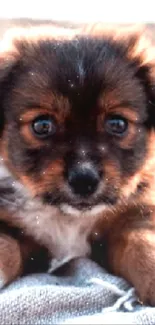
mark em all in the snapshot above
pixel 116 125
pixel 43 126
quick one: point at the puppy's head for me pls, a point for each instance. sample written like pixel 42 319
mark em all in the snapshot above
pixel 77 112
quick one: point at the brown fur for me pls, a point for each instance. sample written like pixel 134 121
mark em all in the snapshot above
pixel 47 78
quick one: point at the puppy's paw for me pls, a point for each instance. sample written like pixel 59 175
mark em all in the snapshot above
pixel 132 256
pixel 146 291
pixel 10 260
pixel 142 268
pixel 3 279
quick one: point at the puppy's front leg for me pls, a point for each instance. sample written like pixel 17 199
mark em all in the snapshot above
pixel 10 259
pixel 131 254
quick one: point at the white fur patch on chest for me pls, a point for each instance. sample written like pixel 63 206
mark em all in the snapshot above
pixel 64 233
pixel 65 236
pixel 70 241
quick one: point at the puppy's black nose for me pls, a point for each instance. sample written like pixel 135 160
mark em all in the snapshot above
pixel 83 180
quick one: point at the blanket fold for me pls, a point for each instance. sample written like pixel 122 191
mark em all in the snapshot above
pixel 83 294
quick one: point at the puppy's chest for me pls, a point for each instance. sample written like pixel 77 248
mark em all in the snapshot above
pixel 70 240
pixel 66 237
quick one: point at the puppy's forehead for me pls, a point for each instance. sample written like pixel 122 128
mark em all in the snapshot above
pixel 81 70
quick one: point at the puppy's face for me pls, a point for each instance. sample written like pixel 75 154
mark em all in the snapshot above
pixel 76 121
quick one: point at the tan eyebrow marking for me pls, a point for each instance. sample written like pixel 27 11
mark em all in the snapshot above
pixel 30 115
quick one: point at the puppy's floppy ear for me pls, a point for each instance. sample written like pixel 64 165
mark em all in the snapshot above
pixel 140 50
pixel 9 59
pixel 19 41
pixel 142 54
pixel 135 43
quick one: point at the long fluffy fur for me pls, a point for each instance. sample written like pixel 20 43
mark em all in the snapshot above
pixel 62 68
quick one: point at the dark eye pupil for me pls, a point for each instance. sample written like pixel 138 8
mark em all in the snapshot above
pixel 116 125
pixel 43 126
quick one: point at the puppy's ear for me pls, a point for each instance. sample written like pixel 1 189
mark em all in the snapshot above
pixel 140 50
pixel 18 42
pixel 9 59
pixel 136 43
pixel 142 56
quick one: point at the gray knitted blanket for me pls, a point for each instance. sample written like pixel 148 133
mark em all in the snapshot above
pixel 83 294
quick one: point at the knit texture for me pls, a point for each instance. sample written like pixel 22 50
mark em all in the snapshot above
pixel 83 294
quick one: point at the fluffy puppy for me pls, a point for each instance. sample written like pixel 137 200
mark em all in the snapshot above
pixel 77 122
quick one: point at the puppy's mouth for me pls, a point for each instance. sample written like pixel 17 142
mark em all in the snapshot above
pixel 84 210
pixel 83 205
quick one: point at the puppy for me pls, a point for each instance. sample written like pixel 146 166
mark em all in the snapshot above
pixel 77 113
